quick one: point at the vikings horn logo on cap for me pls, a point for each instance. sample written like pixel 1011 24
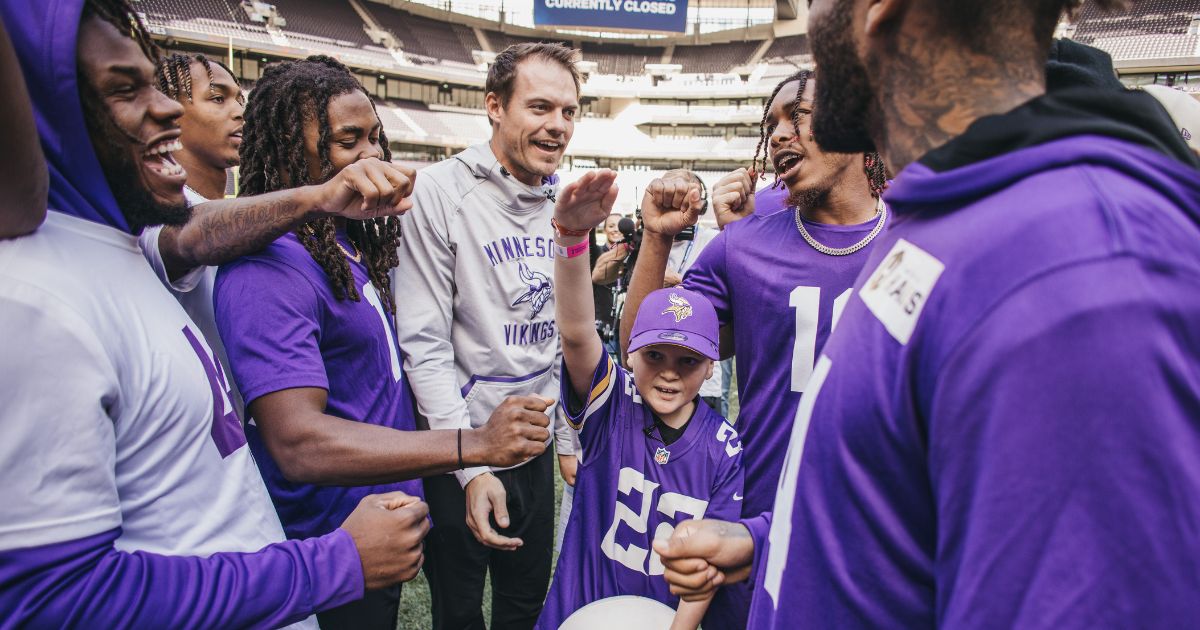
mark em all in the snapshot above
pixel 679 307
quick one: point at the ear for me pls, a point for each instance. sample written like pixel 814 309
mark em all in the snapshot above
pixel 495 109
pixel 711 363
pixel 882 15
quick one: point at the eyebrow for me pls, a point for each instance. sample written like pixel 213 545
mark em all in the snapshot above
pixel 355 128
pixel 225 87
pixel 130 71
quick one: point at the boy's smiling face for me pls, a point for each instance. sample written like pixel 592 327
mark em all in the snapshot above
pixel 668 377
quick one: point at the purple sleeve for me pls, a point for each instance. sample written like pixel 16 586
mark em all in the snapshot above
pixel 269 318
pixel 88 583
pixel 1063 456
pixel 725 500
pixel 760 532
pixel 707 276
pixel 593 418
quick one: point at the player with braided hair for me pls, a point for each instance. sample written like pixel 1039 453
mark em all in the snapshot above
pixel 778 280
pixel 310 335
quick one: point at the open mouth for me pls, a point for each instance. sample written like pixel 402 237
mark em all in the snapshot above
pixel 159 160
pixel 236 136
pixel 666 391
pixel 787 163
pixel 549 146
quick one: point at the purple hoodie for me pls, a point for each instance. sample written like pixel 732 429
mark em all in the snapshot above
pixel 1004 429
pixel 87 581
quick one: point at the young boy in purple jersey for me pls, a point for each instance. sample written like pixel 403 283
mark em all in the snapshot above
pixel 1002 432
pixel 651 455
pixel 778 279
pixel 309 330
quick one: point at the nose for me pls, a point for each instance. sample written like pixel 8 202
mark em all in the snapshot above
pixel 783 133
pixel 372 151
pixel 557 125
pixel 164 109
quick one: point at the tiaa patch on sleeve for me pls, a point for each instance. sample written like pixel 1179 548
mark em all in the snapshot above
pixel 897 290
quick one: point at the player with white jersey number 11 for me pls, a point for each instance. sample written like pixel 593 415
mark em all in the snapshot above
pixel 777 276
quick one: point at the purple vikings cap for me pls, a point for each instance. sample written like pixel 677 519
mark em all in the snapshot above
pixel 678 317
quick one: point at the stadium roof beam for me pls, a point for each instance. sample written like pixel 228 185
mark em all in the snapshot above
pixel 786 10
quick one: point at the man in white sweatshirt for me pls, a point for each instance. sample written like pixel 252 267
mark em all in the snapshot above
pixel 475 315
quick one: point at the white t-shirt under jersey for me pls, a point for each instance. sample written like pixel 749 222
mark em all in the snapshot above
pixel 114 407
pixel 195 294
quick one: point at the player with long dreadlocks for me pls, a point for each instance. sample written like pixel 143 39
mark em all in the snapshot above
pixel 778 280
pixel 309 330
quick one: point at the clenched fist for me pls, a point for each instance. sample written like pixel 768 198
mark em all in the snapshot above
pixel 388 530
pixel 671 204
pixel 367 189
pixel 516 432
pixel 733 197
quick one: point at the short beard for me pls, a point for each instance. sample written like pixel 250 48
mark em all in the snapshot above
pixel 113 148
pixel 809 198
pixel 844 110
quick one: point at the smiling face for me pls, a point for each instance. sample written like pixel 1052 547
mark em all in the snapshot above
pixel 611 230
pixel 808 171
pixel 212 119
pixel 530 132
pixel 669 377
pixel 354 134
pixel 132 126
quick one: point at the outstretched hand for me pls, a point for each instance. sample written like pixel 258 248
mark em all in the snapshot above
pixel 587 202
pixel 368 189
pixel 671 204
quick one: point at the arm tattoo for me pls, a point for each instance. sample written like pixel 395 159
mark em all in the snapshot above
pixel 227 229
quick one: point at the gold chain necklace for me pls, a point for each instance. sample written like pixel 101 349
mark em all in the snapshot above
pixel 356 256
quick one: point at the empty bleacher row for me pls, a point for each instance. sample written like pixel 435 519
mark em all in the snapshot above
pixel 1148 29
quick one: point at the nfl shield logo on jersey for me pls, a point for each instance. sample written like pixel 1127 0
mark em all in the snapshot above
pixel 661 455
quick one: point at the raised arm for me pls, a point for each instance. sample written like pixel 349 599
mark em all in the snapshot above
pixel 22 166
pixel 670 204
pixel 223 230
pixel 581 206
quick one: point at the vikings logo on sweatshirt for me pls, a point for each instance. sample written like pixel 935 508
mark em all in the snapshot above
pixel 538 289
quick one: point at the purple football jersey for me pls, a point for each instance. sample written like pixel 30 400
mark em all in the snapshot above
pixel 782 298
pixel 285 329
pixel 1003 431
pixel 633 489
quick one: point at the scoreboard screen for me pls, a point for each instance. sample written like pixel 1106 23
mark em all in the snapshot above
pixel 642 15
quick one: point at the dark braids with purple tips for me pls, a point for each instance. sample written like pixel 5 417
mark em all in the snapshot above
pixel 872 163
pixel 288 95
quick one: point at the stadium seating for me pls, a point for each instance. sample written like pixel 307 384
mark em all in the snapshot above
pixel 621 59
pixel 426 37
pixel 793 48
pixel 332 21
pixel 714 58
pixel 1147 29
